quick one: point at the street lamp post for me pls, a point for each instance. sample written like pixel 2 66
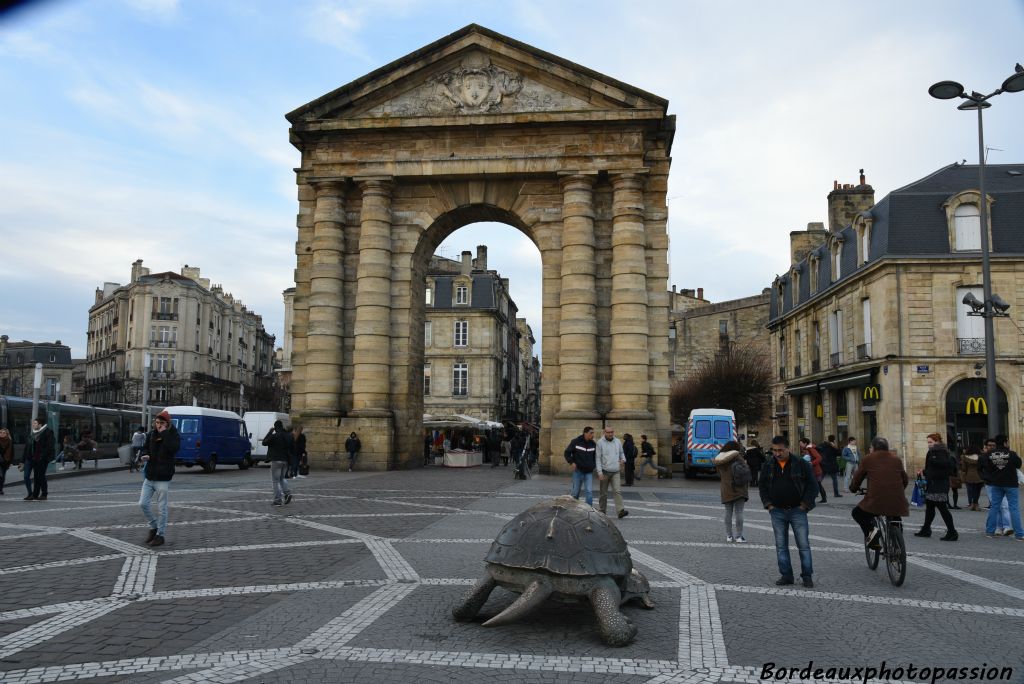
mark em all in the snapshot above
pixel 949 90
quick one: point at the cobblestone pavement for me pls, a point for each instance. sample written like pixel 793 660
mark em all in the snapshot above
pixel 356 579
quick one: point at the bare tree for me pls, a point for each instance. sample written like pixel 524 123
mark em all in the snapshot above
pixel 738 378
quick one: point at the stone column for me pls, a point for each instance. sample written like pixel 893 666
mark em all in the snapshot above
pixel 577 329
pixel 323 358
pixel 629 324
pixel 371 357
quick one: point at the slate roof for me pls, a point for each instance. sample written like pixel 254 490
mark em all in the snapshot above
pixel 911 222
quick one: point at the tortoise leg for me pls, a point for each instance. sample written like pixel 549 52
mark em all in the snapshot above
pixel 616 629
pixel 532 598
pixel 474 599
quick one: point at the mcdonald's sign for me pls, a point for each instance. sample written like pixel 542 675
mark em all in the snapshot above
pixel 871 394
pixel 977 405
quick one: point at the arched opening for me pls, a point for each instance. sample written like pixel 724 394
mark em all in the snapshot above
pixel 479 355
pixel 967 413
pixel 392 164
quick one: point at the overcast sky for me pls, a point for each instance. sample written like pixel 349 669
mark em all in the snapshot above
pixel 155 129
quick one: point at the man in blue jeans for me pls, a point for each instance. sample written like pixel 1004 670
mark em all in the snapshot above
pixel 788 490
pixel 581 454
pixel 158 455
pixel 998 469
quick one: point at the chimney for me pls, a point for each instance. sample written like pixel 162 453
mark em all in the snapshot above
pixel 801 242
pixel 481 257
pixel 673 289
pixel 467 262
pixel 137 270
pixel 847 200
pixel 700 293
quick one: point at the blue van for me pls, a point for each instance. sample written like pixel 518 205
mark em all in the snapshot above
pixel 706 432
pixel 210 437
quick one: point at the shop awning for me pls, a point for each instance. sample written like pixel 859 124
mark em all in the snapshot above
pixel 857 379
pixel 806 388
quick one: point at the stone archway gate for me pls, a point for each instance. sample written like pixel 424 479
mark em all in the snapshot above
pixel 477 127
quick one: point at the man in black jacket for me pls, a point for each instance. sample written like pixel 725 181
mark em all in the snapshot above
pixel 788 490
pixel 279 450
pixel 581 454
pixel 999 469
pixel 158 455
pixel 830 462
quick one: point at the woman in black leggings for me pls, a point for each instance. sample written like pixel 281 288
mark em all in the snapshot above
pixel 938 466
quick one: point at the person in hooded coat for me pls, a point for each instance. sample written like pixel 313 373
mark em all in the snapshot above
pixel 734 494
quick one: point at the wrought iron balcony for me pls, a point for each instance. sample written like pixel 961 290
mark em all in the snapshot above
pixel 163 344
pixel 796 371
pixel 970 346
pixel 836 359
pixel 864 351
pixel 815 365
pixel 164 316
pixel 782 373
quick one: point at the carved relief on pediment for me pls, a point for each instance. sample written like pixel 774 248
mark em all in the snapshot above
pixel 477 86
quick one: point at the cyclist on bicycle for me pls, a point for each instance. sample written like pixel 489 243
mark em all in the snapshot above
pixel 887 494
pixel 138 442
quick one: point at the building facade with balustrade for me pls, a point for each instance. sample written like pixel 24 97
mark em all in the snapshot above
pixel 203 344
pixel 869 334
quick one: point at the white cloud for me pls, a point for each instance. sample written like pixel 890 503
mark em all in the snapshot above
pixel 22 44
pixel 155 10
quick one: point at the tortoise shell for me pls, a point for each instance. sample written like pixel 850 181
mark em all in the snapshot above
pixel 562 536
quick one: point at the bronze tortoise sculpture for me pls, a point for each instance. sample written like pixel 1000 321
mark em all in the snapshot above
pixel 565 550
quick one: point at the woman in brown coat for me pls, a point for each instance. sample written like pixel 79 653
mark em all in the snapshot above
pixel 734 494
pixel 886 495
pixel 971 476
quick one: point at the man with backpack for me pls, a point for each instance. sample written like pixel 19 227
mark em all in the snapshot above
pixel 280 446
pixel 734 474
pixel 788 490
pixel 647 455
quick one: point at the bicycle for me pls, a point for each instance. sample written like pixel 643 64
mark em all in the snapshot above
pixel 891 545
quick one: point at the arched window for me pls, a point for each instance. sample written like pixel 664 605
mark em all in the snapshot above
pixel 967 228
pixel 837 259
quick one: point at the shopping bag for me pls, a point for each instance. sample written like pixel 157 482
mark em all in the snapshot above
pixel 917 498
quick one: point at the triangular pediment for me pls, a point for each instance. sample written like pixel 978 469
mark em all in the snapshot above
pixel 476 72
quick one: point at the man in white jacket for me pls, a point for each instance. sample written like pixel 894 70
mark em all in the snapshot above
pixel 610 461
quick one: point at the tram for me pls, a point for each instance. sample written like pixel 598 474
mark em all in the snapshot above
pixel 109 427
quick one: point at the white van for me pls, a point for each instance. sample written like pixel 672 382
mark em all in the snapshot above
pixel 258 423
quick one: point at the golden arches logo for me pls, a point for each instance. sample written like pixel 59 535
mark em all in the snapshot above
pixel 872 393
pixel 977 405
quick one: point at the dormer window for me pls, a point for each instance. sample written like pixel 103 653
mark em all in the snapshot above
pixel 461 295
pixel 837 260
pixel 813 263
pixel 862 227
pixel 967 228
pixel 963 217
pixel 795 278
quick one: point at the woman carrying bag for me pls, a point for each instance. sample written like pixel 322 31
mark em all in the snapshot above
pixel 938 466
